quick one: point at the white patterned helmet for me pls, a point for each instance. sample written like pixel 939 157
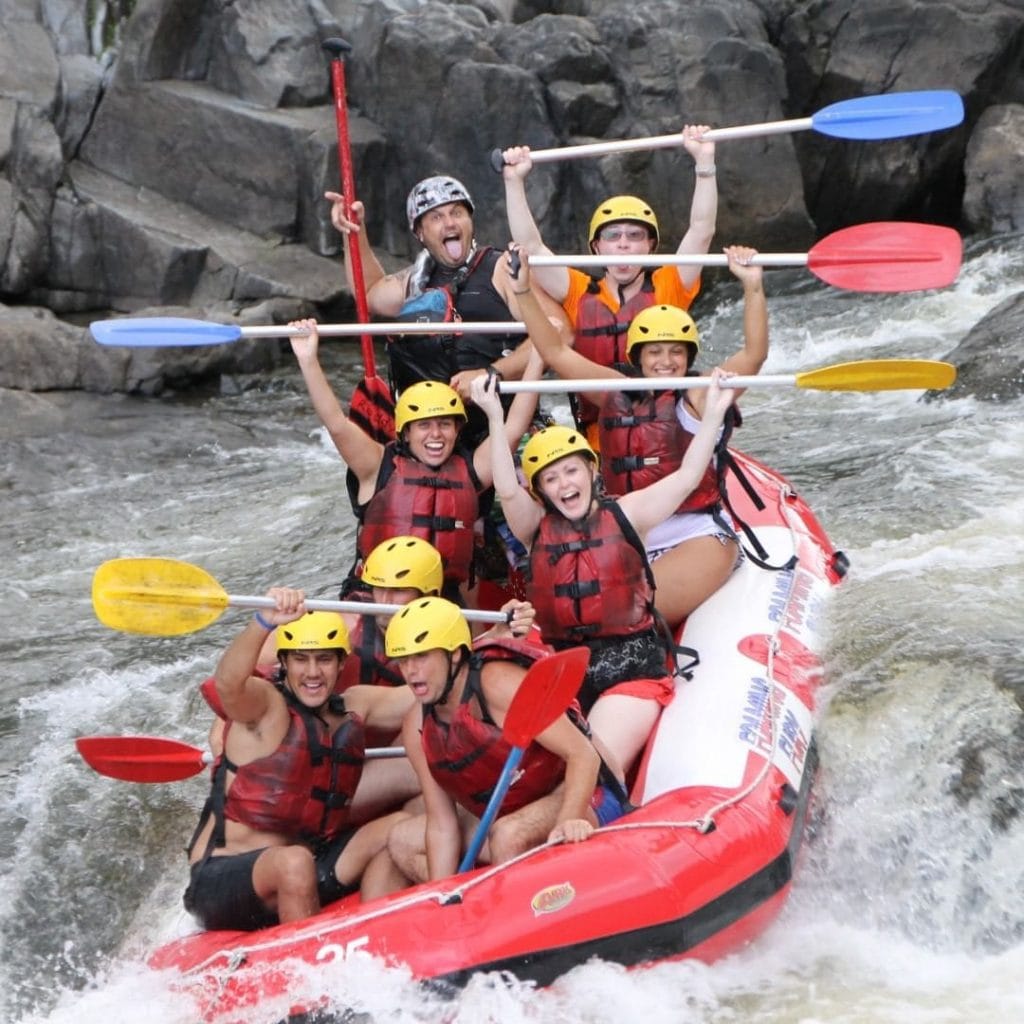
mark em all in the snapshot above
pixel 431 193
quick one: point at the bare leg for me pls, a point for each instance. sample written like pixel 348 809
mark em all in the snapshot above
pixel 407 848
pixel 690 573
pixel 362 851
pixel 515 833
pixel 382 877
pixel 284 877
pixel 385 784
pixel 623 725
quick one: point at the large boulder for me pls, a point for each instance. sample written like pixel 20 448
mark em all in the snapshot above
pixel 990 360
pixel 994 196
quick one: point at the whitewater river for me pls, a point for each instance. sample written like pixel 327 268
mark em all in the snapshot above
pixel 908 904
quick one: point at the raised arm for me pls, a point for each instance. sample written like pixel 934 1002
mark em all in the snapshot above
pixel 521 224
pixel 749 359
pixel 385 293
pixel 361 453
pixel 521 512
pixel 553 343
pixel 654 504
pixel 700 232
pixel 247 698
pixel 520 416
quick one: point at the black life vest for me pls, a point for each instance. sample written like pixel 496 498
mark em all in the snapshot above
pixel 466 293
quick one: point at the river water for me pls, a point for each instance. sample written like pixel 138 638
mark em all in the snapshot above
pixel 908 904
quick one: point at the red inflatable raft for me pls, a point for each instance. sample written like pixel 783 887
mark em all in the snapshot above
pixel 700 868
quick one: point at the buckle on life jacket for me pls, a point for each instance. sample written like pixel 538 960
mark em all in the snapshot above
pixel 611 422
pixel 630 463
pixel 439 483
pixel 577 590
pixel 570 547
pixel 438 523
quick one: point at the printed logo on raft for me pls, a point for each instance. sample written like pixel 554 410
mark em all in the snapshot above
pixel 337 951
pixel 795 603
pixel 552 899
pixel 756 725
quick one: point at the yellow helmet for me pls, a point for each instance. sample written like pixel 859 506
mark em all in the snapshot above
pixel 661 323
pixel 551 444
pixel 405 562
pixel 424 401
pixel 427 624
pixel 623 208
pixel 315 631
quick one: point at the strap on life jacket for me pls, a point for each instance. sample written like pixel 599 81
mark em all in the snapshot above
pixel 759 556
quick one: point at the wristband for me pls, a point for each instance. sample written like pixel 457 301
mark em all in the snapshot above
pixel 268 626
pixel 705 172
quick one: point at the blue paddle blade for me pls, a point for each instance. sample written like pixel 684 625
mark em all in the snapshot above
pixel 162 332
pixel 891 115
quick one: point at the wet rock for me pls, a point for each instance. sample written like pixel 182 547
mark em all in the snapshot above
pixel 994 196
pixel 989 360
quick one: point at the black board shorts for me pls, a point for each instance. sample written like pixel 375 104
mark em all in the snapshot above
pixel 221 896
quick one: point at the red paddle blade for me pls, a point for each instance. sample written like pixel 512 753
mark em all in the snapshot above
pixel 888 256
pixel 546 691
pixel 141 758
pixel 373 409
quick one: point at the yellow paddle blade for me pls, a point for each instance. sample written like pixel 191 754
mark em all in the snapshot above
pixel 156 596
pixel 879 375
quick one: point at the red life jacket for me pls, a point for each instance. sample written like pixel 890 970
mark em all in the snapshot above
pixel 642 441
pixel 304 788
pixel 601 336
pixel 367 664
pixel 439 505
pixel 466 755
pixel 592 579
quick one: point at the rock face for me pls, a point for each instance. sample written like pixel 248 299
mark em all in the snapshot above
pixel 989 361
pixel 178 156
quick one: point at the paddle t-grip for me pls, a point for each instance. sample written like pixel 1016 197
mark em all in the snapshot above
pixel 497 161
pixel 336 47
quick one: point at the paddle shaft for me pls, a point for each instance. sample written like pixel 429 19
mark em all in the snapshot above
pixel 350 330
pixel 554 387
pixel 515 755
pixel 356 607
pixel 863 375
pixel 745 131
pixel 205 757
pixel 348 189
pixel 763 259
